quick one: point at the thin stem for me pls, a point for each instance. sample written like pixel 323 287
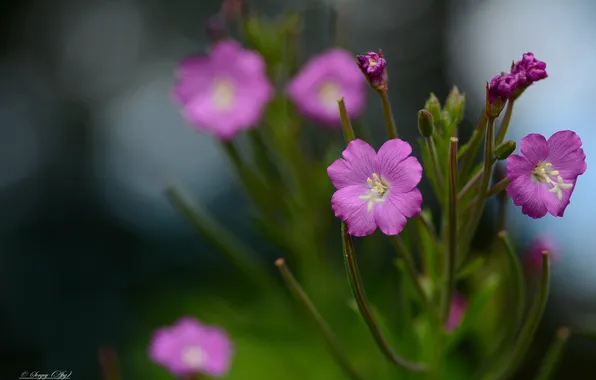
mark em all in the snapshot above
pixel 553 356
pixel 528 331
pixel 474 145
pixel 389 120
pixel 429 144
pixel 253 184
pixel 469 186
pixel 330 338
pixel 498 187
pixel 505 123
pixel 260 152
pixel 489 146
pixel 519 282
pixel 470 268
pixel 410 267
pixel 357 287
pixel 428 226
pixel 231 249
pixel 451 258
pixel 346 125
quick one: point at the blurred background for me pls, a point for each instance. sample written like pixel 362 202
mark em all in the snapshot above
pixel 89 136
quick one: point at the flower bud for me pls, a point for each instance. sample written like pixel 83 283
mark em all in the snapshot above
pixel 434 107
pixel 425 123
pixel 374 68
pixel 454 105
pixel 505 149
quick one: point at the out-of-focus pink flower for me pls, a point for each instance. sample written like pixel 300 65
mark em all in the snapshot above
pixel 376 189
pixel 457 312
pixel 224 92
pixel 323 81
pixel 533 255
pixel 189 348
pixel 543 176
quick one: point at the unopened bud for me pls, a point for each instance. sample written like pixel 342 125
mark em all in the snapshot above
pixel 505 149
pixel 434 107
pixel 425 123
pixel 374 68
pixel 454 105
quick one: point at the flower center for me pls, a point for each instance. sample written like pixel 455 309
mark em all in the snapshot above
pixel 223 94
pixel 329 94
pixel 194 357
pixel 545 174
pixel 377 189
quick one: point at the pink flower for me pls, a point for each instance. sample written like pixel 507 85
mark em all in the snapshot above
pixel 188 348
pixel 543 176
pixel 323 81
pixel 224 92
pixel 376 189
pixel 533 254
pixel 457 311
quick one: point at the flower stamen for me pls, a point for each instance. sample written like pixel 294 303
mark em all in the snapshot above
pixel 194 356
pixel 378 189
pixel 543 173
pixel 224 94
pixel 329 94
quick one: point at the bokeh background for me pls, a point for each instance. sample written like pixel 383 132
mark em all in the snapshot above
pixel 89 246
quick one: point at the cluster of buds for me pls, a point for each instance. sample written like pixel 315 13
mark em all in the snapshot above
pixel 509 86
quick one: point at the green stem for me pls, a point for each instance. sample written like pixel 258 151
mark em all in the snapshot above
pixel 261 157
pixel 553 356
pixel 496 189
pixel 519 282
pixel 231 249
pixel 489 146
pixel 452 247
pixel 474 145
pixel 346 125
pixel 364 306
pixel 430 147
pixel 505 123
pixel 528 331
pixel 330 338
pixel 410 268
pixel 256 189
pixel 389 120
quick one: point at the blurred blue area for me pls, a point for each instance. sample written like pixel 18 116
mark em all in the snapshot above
pixel 483 40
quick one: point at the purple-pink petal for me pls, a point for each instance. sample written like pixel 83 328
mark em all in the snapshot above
pixel 534 148
pixel 526 193
pixel 376 189
pixel 518 165
pixel 348 206
pixel 391 215
pixel 224 92
pixel 553 205
pixel 566 154
pixel 404 176
pixel 358 164
pixel 333 75
pixel 188 348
